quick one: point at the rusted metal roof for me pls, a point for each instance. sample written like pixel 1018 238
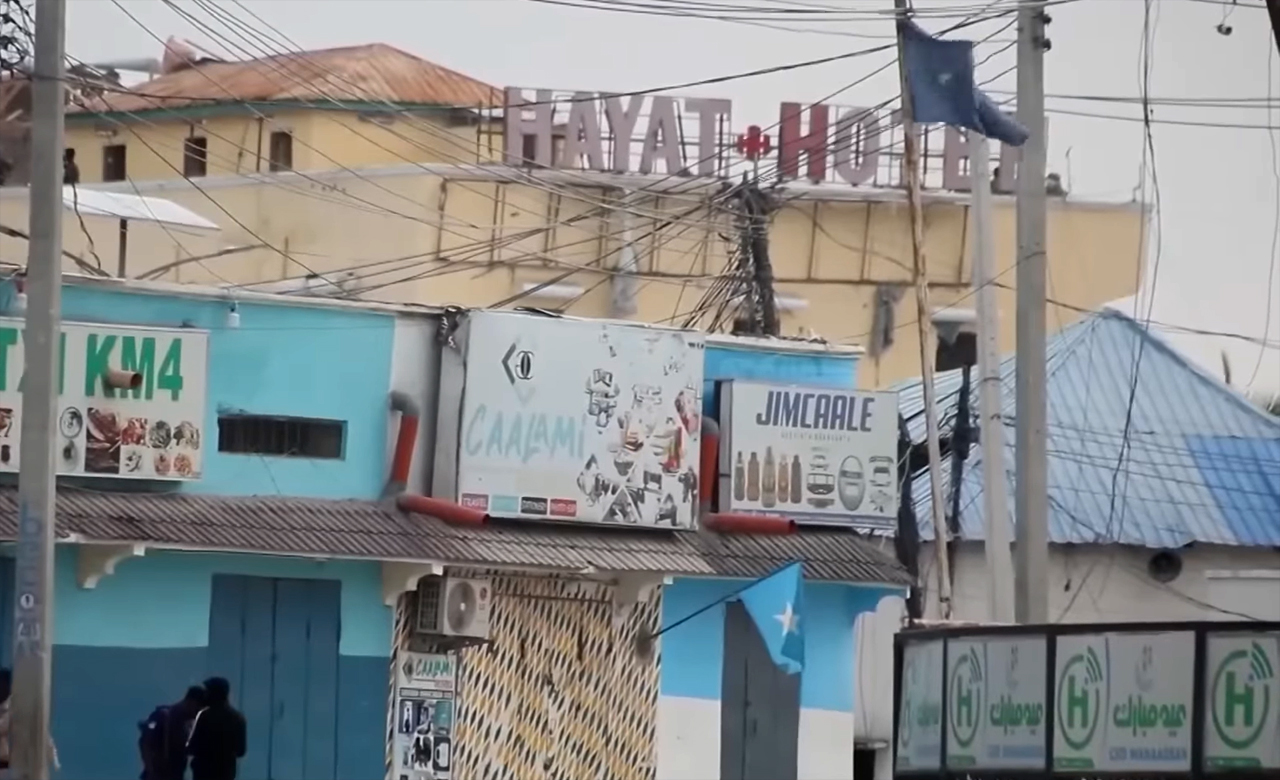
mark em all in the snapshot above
pixel 373 73
pixel 369 529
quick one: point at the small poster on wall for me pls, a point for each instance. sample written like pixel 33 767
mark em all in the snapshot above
pixel 423 745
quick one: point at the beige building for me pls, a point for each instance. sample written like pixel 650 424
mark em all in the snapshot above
pixel 369 172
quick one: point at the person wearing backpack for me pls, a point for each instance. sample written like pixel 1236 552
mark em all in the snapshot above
pixel 6 721
pixel 218 738
pixel 163 739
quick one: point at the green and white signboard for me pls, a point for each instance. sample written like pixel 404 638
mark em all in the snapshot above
pixel 920 708
pixel 1123 702
pixel 1242 730
pixel 154 431
pixel 996 703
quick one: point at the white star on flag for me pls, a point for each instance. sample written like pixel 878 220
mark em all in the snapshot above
pixel 789 619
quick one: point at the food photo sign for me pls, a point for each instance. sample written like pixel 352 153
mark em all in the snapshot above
pixel 153 431
pixel 580 421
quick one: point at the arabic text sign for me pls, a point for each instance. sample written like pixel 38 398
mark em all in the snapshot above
pixel 1123 702
pixel 821 454
pixel 580 420
pixel 1242 727
pixel 996 703
pixel 152 432
pixel 920 707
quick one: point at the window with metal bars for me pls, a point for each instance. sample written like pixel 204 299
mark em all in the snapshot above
pixel 290 437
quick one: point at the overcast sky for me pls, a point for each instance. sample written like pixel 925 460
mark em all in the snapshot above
pixel 1219 186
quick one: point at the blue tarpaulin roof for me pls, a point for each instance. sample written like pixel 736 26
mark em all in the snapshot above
pixel 1202 464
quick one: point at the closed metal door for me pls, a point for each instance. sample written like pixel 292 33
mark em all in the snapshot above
pixel 759 706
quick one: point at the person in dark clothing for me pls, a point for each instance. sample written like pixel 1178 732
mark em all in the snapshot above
pixel 163 742
pixel 218 735
pixel 70 171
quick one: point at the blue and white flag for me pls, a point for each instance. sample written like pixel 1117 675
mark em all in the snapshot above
pixel 776 605
pixel 941 88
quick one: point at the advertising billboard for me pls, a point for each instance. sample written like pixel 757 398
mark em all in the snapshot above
pixel 580 420
pixel 996 702
pixel 920 708
pixel 1173 699
pixel 817 455
pixel 1242 730
pixel 154 432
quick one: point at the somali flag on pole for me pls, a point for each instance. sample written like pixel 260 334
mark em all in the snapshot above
pixel 941 87
pixel 776 605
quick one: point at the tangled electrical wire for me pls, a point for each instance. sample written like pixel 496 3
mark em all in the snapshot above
pixel 17 35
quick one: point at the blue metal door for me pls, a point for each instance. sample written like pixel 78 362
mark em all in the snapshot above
pixel 276 640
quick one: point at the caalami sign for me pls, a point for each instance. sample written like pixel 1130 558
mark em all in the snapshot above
pixel 152 431
pixel 685 136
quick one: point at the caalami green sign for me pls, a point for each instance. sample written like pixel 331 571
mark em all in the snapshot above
pixel 151 431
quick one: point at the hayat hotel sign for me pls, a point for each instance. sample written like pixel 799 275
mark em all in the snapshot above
pixel 827 456
pixel 580 420
pixel 154 431
pixel 1120 702
pixel 684 136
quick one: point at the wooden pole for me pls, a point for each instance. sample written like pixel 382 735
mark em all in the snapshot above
pixel 924 322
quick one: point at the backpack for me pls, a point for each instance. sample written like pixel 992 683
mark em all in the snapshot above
pixel 153 740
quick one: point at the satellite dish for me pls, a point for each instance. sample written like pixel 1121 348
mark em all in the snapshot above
pixel 460 607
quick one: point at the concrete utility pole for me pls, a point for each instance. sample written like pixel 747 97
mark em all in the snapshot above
pixel 995 491
pixel 1032 501
pixel 924 321
pixel 33 613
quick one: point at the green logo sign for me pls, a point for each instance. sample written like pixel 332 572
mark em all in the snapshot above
pixel 966 698
pixel 1079 699
pixel 1240 698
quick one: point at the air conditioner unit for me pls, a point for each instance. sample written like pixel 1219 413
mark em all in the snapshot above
pixel 450 606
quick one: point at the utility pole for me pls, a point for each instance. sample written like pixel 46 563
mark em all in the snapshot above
pixel 924 321
pixel 1032 502
pixel 33 612
pixel 995 492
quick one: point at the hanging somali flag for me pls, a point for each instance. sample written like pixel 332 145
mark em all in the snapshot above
pixel 776 605
pixel 941 87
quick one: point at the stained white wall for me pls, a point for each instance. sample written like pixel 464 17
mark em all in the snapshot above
pixel 1095 583
pixel 415 369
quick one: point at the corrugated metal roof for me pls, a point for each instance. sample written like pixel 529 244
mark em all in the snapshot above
pixel 1202 464
pixel 368 529
pixel 373 73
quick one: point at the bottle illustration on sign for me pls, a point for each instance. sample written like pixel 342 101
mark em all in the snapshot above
pixel 753 478
pixel 769 480
pixel 739 479
pixel 784 479
pixel 796 483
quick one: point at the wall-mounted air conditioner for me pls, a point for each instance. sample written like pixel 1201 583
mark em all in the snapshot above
pixel 451 606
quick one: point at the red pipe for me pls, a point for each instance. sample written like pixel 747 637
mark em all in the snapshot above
pixel 710 465
pixel 446 511
pixel 406 439
pixel 742 523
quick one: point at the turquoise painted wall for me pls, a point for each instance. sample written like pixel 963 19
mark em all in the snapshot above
pixel 808 368
pixel 693 653
pixel 287 360
pixel 140 638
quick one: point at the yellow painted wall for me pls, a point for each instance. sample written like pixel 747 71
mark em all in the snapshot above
pixel 323 140
pixel 416 237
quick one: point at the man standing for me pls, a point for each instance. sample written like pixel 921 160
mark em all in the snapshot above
pixel 163 742
pixel 218 736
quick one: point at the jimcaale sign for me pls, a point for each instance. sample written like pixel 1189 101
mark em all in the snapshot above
pixel 687 136
pixel 814 454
